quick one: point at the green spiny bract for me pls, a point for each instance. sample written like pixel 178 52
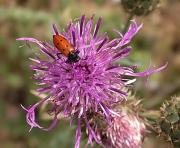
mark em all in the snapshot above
pixel 169 122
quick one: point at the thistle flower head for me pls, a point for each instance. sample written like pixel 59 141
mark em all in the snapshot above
pixel 126 131
pixel 93 84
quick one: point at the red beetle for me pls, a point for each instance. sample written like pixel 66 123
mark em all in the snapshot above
pixel 62 44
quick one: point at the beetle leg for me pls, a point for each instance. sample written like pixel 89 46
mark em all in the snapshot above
pixel 77 51
pixel 68 61
pixel 59 55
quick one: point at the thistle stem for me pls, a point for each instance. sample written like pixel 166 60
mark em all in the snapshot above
pixel 128 22
pixel 153 114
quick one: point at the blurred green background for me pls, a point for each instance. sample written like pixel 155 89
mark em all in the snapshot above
pixel 156 43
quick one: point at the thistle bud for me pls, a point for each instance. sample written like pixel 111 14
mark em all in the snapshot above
pixel 125 131
pixel 139 7
pixel 169 122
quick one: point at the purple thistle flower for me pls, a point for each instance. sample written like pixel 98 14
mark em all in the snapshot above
pixel 93 84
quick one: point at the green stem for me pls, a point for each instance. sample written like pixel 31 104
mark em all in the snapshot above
pixel 152 114
pixel 128 22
